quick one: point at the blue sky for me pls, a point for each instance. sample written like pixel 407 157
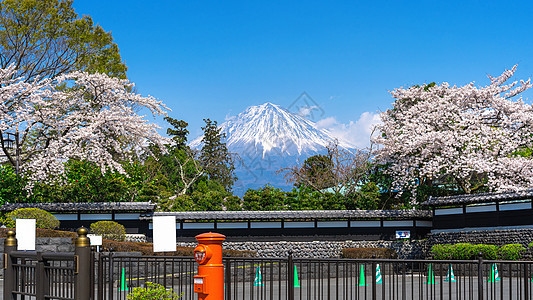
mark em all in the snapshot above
pixel 212 59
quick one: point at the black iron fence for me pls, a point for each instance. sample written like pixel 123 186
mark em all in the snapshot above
pixel 316 279
pixel 112 276
pixel 42 275
pixel 39 276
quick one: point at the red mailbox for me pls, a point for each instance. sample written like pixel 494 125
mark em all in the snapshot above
pixel 209 283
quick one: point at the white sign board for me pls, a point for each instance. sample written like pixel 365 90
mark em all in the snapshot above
pixel 403 234
pixel 164 233
pixel 96 240
pixel 25 229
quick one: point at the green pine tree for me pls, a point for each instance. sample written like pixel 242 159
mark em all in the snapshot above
pixel 218 161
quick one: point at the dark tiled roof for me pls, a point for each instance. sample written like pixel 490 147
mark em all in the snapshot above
pixel 479 198
pixel 97 206
pixel 297 214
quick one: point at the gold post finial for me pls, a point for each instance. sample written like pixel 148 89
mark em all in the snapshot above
pixel 82 240
pixel 10 240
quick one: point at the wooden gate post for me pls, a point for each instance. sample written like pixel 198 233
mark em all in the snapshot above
pixel 10 245
pixel 82 255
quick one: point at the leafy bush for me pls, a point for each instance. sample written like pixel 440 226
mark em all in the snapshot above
pixel 152 291
pixel 441 251
pixel 488 251
pixel 11 186
pixel 511 252
pixel 357 253
pixel 43 219
pixel 462 251
pixel 465 251
pixel 109 230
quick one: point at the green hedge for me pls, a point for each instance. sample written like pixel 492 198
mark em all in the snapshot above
pixel 43 219
pixel 466 251
pixel 488 251
pixel 441 252
pixel 511 251
pixel 109 230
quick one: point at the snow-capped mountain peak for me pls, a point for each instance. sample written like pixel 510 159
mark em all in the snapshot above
pixel 269 127
pixel 269 138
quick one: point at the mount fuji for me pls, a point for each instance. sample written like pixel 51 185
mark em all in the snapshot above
pixel 268 138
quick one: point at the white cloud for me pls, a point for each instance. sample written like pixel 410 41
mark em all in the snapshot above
pixel 307 110
pixel 355 133
pixel 229 117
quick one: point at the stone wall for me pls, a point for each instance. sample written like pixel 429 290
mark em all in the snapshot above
pixel 321 249
pixel 139 238
pixel 405 249
pixel 490 237
pixel 332 249
pixel 47 244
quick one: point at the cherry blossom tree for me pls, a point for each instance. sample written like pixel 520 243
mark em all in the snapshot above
pixel 82 116
pixel 473 137
pixel 340 170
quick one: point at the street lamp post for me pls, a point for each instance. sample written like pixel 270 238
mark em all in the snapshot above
pixel 10 144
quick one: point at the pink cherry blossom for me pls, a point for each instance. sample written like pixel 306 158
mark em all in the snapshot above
pixel 459 133
pixel 76 116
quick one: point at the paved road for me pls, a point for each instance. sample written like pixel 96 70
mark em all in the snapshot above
pixel 415 288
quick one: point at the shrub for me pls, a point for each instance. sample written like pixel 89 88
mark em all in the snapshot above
pixel 109 230
pixel 488 251
pixel 511 251
pixel 462 251
pixel 43 219
pixel 465 251
pixel 152 291
pixel 441 251
pixel 357 253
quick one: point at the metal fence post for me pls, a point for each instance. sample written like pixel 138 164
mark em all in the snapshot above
pixel 526 281
pixel 373 272
pixel 82 255
pixel 10 245
pixel 290 274
pixel 480 276
pixel 100 276
pixel 40 277
pixel 228 279
pixel 110 271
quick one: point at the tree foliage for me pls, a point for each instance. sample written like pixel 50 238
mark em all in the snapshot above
pixel 94 119
pixel 43 219
pixel 218 162
pixel 468 137
pixel 190 179
pixel 46 38
pixel 316 172
pixel 11 185
pixel 339 171
pixel 110 230
pixel 178 133
pixel 303 198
